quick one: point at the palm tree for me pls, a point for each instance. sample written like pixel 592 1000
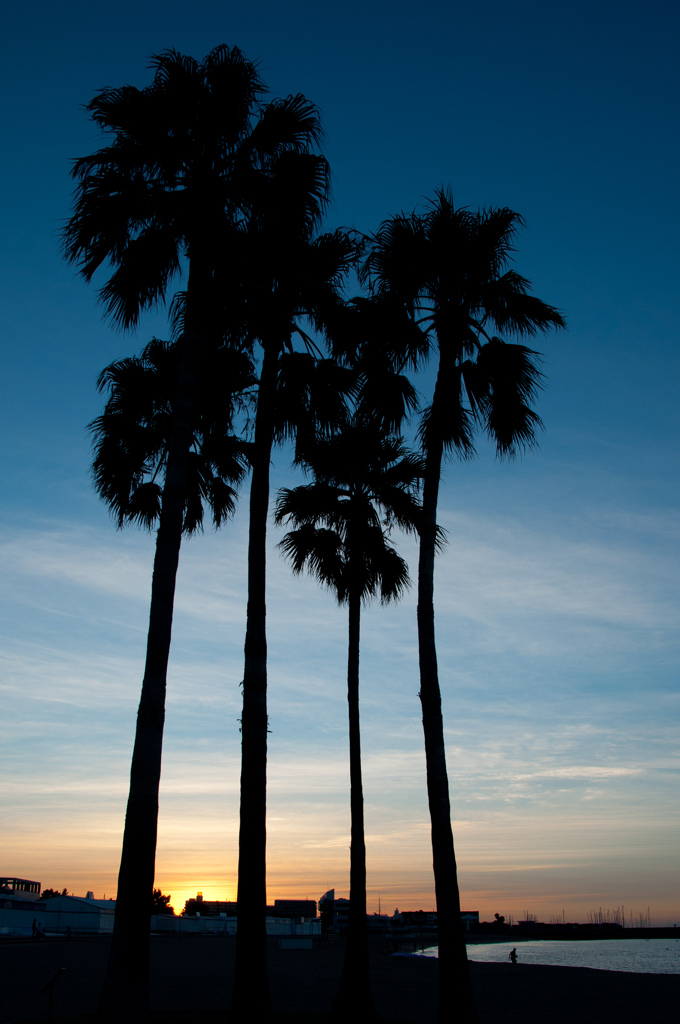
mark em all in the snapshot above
pixel 130 438
pixel 131 454
pixel 364 485
pixel 189 159
pixel 448 269
pixel 294 278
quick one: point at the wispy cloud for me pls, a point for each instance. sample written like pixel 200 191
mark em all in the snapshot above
pixel 581 772
pixel 555 764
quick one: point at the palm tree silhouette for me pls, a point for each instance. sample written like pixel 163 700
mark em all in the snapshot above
pixel 294 281
pixel 448 269
pixel 130 438
pixel 131 442
pixel 190 158
pixel 364 485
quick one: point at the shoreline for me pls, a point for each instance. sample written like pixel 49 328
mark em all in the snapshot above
pixel 552 933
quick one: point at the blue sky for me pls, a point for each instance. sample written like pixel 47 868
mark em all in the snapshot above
pixel 557 596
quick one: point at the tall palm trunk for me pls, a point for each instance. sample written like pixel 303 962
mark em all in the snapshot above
pixel 456 999
pixel 125 996
pixel 354 1001
pixel 251 1000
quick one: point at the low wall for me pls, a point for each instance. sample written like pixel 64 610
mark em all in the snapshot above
pixel 227 926
pixel 20 922
pixel 193 925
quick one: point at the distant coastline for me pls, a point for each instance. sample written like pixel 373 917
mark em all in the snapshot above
pixel 570 932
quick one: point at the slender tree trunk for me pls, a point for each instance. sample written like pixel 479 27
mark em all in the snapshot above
pixel 125 996
pixel 251 1000
pixel 456 998
pixel 354 1001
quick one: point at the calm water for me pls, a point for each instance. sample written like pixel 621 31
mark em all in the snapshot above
pixel 643 956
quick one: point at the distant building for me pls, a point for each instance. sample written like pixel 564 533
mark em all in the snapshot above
pixel 56 915
pixel 293 909
pixel 469 918
pixel 341 914
pixel 379 923
pixel 80 914
pixel 209 908
pixel 428 918
pixel 335 915
pixel 290 909
pixel 19 889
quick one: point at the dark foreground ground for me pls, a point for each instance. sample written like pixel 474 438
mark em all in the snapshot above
pixel 192 975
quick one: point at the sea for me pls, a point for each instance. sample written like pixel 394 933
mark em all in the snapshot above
pixel 641 956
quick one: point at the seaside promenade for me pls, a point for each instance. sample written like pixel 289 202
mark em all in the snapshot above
pixel 191 977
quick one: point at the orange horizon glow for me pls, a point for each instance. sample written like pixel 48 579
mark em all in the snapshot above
pixel 497 873
pixel 572 908
pixel 398 877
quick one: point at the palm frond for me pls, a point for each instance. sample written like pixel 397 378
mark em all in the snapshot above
pixel 144 505
pixel 451 426
pixel 313 395
pixel 222 501
pixel 130 437
pixel 320 552
pixel 292 123
pixel 140 281
pixel 385 396
pixel 448 270
pixel 365 484
pixel 514 380
pixel 296 193
pixel 516 312
pixel 394 577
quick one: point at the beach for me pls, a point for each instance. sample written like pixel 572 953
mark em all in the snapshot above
pixel 194 974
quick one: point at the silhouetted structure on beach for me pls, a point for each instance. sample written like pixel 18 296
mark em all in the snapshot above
pixel 292 909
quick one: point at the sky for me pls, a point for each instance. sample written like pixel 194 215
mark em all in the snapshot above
pixel 557 593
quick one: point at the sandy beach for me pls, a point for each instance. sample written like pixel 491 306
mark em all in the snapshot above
pixel 195 973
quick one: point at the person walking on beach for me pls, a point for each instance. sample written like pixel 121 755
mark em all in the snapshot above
pixel 512 955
